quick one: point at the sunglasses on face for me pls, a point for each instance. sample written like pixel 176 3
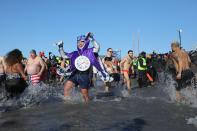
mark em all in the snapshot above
pixel 111 51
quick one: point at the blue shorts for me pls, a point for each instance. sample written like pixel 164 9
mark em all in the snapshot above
pixel 81 79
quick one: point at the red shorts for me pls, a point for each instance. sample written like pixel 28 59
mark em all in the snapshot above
pixel 35 79
pixel 127 71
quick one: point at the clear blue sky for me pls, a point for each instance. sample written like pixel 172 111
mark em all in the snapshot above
pixel 37 24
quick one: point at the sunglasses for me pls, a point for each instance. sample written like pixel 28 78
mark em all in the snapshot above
pixel 110 51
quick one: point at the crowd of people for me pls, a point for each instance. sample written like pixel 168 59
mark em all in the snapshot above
pixel 81 68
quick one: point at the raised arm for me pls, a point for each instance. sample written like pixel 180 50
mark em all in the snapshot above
pixel 96 46
pixel 61 50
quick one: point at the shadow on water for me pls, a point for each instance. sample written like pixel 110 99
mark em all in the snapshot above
pixel 8 123
pixel 65 126
pixel 136 124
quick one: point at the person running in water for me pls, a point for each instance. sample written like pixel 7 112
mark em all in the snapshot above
pixel 15 77
pixel 82 61
pixel 109 60
pixel 127 68
pixel 35 68
pixel 142 70
pixel 109 63
pixel 182 65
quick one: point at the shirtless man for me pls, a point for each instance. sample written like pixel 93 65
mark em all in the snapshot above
pixel 111 67
pixel 182 64
pixel 2 72
pixel 109 62
pixel 35 68
pixel 126 68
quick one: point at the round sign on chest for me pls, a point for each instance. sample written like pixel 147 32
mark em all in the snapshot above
pixel 82 63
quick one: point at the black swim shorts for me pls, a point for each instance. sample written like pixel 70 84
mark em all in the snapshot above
pixel 116 77
pixel 186 77
pixel 81 79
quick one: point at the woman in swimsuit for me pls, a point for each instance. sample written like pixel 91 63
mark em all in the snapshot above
pixel 14 72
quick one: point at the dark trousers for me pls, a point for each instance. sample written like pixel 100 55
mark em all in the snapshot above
pixel 142 79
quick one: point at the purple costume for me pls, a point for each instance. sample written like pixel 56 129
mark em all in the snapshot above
pixel 88 52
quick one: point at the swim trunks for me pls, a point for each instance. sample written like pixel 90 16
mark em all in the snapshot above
pixel 186 77
pixel 35 79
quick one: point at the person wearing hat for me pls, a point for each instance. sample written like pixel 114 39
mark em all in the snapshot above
pixel 35 67
pixel 142 69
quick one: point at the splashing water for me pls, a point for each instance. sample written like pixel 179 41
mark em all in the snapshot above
pixel 192 121
pixel 48 109
pixel 42 93
pixel 35 95
pixel 168 85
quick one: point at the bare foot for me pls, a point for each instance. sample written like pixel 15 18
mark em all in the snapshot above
pixel 106 89
pixel 129 91
pixel 180 99
pixel 152 84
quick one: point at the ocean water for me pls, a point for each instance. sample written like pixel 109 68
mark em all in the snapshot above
pixel 43 108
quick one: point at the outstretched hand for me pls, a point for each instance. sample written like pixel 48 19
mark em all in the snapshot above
pixel 60 44
pixel 90 35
